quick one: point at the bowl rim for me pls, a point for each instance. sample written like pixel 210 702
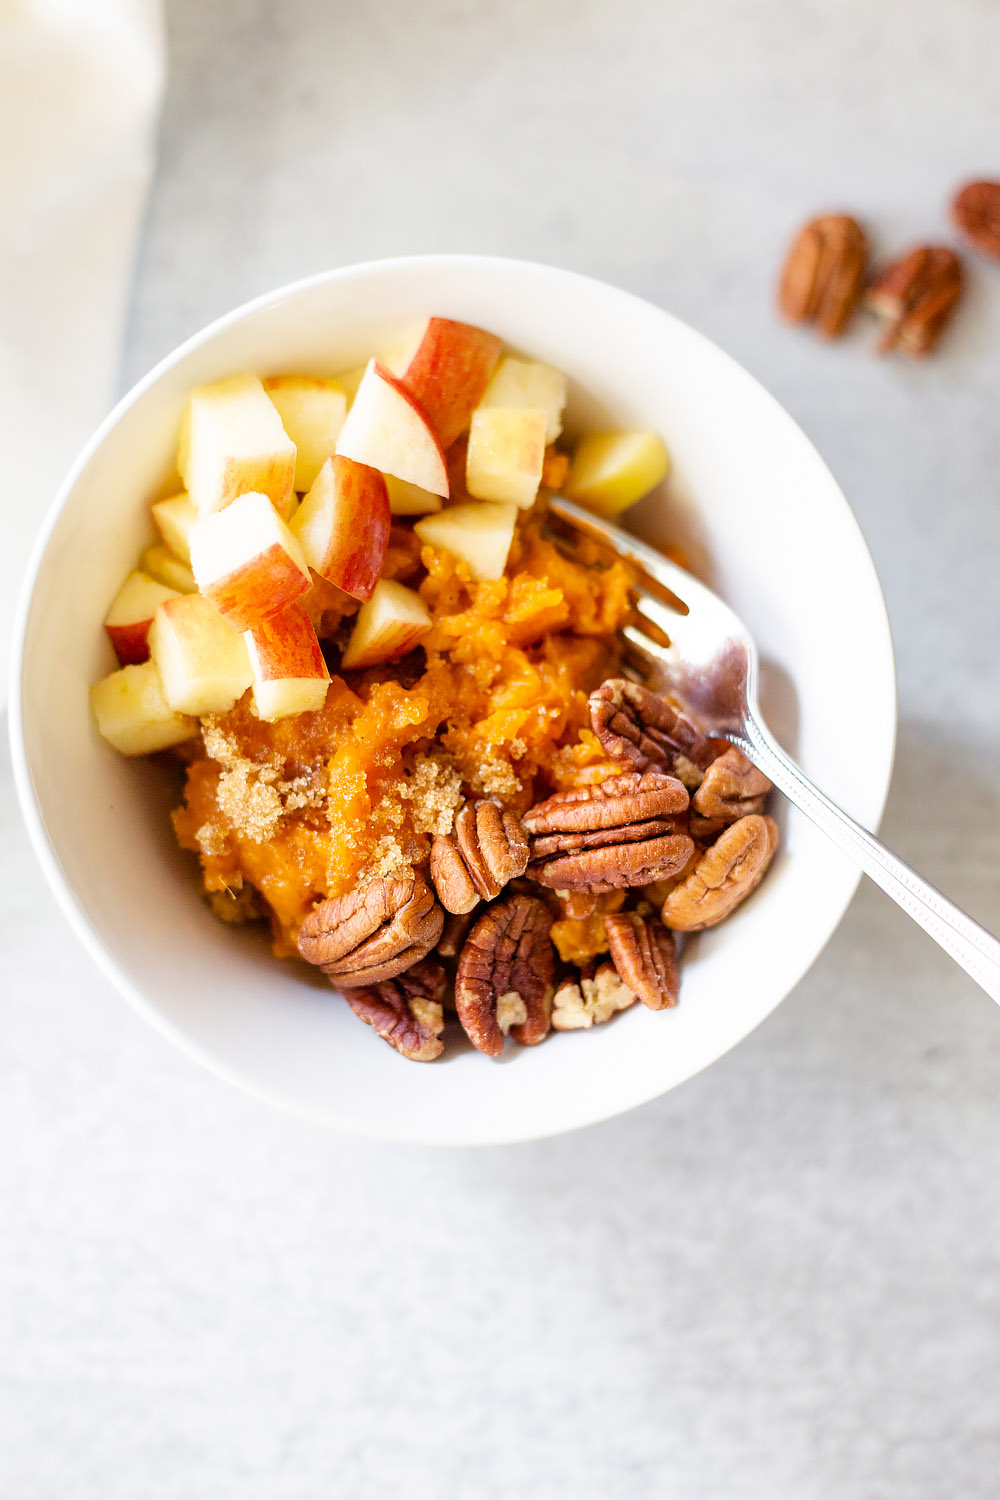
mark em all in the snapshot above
pixel 43 845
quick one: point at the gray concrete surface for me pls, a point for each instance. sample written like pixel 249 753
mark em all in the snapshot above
pixel 778 1283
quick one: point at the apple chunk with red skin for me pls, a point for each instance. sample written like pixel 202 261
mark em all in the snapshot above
pixel 343 525
pixel 391 623
pixel 232 443
pixel 131 614
pixel 247 562
pixel 202 660
pixel 388 430
pixel 446 367
pixel 289 673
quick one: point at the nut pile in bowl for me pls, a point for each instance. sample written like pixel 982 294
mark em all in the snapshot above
pixel 399 701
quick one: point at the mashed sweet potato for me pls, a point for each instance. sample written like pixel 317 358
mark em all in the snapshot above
pixel 492 704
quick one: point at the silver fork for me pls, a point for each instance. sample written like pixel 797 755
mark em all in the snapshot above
pixel 711 663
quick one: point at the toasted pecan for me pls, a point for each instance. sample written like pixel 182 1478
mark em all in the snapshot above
pixel 486 849
pixel 373 933
pixel 915 298
pixel 406 1011
pixel 591 999
pixel 732 787
pixel 724 875
pixel 823 274
pixel 976 211
pixel 624 831
pixel 644 955
pixel 643 730
pixel 504 977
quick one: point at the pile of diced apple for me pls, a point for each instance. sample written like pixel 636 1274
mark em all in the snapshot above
pixel 295 478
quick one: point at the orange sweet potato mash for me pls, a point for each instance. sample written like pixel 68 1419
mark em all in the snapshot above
pixel 493 703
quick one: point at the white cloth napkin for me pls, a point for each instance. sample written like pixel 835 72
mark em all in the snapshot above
pixel 80 87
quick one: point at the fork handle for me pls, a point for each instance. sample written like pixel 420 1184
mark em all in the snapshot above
pixel 969 944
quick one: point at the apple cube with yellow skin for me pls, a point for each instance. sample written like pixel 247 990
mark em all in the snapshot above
pixel 343 525
pixel 162 564
pixel 446 365
pixel 312 412
pixel 527 383
pixel 174 518
pixel 133 715
pixel 386 429
pixel 392 622
pixel 247 562
pixel 409 499
pixel 202 661
pixel 478 534
pixel 290 675
pixel 130 616
pixel 232 444
pixel 506 454
pixel 612 470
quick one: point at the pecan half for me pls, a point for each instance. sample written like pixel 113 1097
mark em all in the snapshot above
pixel 915 297
pixel 731 788
pixel 976 211
pixel 590 1000
pixel 406 1011
pixel 644 954
pixel 822 277
pixel 643 730
pixel 504 978
pixel 622 832
pixel 486 849
pixel 724 875
pixel 373 933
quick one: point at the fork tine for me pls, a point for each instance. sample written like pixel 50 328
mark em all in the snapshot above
pixel 674 579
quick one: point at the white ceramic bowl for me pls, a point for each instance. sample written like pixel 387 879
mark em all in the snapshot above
pixel 769 527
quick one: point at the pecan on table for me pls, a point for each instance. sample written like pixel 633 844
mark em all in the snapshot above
pixel 504 977
pixel 724 875
pixel 822 277
pixel 645 732
pixel 486 849
pixel 976 211
pixel 625 831
pixel 732 787
pixel 406 1011
pixel 373 933
pixel 915 297
pixel 591 999
pixel 644 954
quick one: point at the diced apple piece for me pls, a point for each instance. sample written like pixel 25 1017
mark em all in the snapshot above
pixel 343 525
pixel 409 499
pixel 174 519
pixel 235 445
pixel 528 383
pixel 289 673
pixel 131 614
pixel 247 561
pixel 612 470
pixel 133 715
pixel 160 563
pixel 312 412
pixel 386 429
pixel 478 534
pixel 446 367
pixel 390 624
pixel 506 454
pixel 202 661
pixel 349 380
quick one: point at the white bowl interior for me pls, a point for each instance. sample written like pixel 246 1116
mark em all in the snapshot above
pixel 749 494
